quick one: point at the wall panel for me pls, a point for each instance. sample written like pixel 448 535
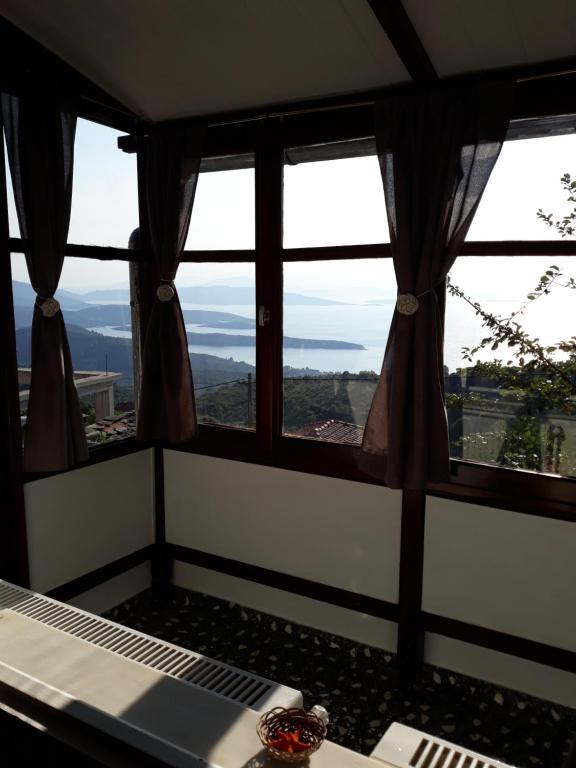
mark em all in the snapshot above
pixel 81 520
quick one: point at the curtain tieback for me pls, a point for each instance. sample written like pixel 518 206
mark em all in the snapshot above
pixel 166 290
pixel 48 306
pixel 408 304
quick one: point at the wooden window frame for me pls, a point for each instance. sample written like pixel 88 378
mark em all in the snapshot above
pixel 267 138
pixel 518 490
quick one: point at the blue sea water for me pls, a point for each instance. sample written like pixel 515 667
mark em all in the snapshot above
pixel 550 319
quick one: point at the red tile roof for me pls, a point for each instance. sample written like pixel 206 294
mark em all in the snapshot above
pixel 333 430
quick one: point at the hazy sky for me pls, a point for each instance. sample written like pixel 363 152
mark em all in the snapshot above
pixel 326 203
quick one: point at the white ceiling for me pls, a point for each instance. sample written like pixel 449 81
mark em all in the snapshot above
pixel 474 35
pixel 177 58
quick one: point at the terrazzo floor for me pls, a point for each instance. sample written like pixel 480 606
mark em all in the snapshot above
pixel 360 686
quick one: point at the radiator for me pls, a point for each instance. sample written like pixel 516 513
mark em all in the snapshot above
pixel 188 666
pixel 404 747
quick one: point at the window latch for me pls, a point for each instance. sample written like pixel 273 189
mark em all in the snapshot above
pixel 263 316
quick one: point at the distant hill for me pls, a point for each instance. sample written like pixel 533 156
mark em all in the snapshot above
pixel 118 315
pixel 211 294
pixel 24 295
pixel 236 340
pixel 89 351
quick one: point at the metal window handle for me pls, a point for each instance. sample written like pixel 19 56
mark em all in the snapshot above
pixel 263 316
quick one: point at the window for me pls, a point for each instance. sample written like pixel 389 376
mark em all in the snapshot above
pixel 94 295
pixel 336 313
pixel 322 357
pixel 333 202
pixel 104 190
pixel 336 322
pixel 223 213
pixel 219 307
pixel 95 300
pixel 514 405
pixel 525 178
pixel 506 407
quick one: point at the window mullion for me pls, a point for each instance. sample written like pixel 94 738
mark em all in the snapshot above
pixel 269 169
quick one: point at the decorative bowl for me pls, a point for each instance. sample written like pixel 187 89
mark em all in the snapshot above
pixel 291 735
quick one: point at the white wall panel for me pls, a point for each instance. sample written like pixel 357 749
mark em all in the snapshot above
pixel 81 520
pixel 503 570
pixel 115 591
pixel 501 669
pixel 331 531
pixel 359 627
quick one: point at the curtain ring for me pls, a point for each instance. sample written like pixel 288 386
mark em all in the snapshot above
pixel 49 307
pixel 407 304
pixel 166 291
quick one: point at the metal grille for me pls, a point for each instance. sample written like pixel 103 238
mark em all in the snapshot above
pixel 188 666
pixel 432 754
pixel 405 747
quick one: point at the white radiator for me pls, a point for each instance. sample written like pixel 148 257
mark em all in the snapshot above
pixel 188 666
pixel 404 747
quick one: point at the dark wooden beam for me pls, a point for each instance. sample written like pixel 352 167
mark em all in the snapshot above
pixel 13 541
pixel 294 584
pixel 542 90
pixel 269 174
pixel 399 30
pixel 101 575
pixel 521 647
pixel 99 252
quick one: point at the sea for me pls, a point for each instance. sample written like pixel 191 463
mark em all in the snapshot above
pixel 552 319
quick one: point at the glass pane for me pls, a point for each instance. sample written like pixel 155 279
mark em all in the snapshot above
pixel 223 215
pixel 336 320
pixel 334 202
pixel 506 406
pixel 219 306
pixel 525 178
pixel 13 225
pixel 105 188
pixel 100 337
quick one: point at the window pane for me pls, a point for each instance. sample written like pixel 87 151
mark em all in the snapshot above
pixel 506 407
pixel 105 188
pixel 223 214
pixel 334 202
pixel 525 178
pixel 100 336
pixel 13 225
pixel 219 306
pixel 336 321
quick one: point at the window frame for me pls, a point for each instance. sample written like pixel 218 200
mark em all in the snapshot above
pixel 267 139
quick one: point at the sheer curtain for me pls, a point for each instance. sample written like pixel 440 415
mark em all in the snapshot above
pixel 40 144
pixel 437 149
pixel 167 409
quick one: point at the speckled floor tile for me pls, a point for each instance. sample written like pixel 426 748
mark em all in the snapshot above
pixel 360 686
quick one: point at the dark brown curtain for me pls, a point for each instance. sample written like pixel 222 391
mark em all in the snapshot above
pixel 40 144
pixel 437 150
pixel 167 409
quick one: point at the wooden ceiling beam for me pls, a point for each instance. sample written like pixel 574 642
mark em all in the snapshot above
pixel 399 29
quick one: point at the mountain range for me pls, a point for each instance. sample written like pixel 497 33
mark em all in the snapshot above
pixel 94 352
pixel 208 294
